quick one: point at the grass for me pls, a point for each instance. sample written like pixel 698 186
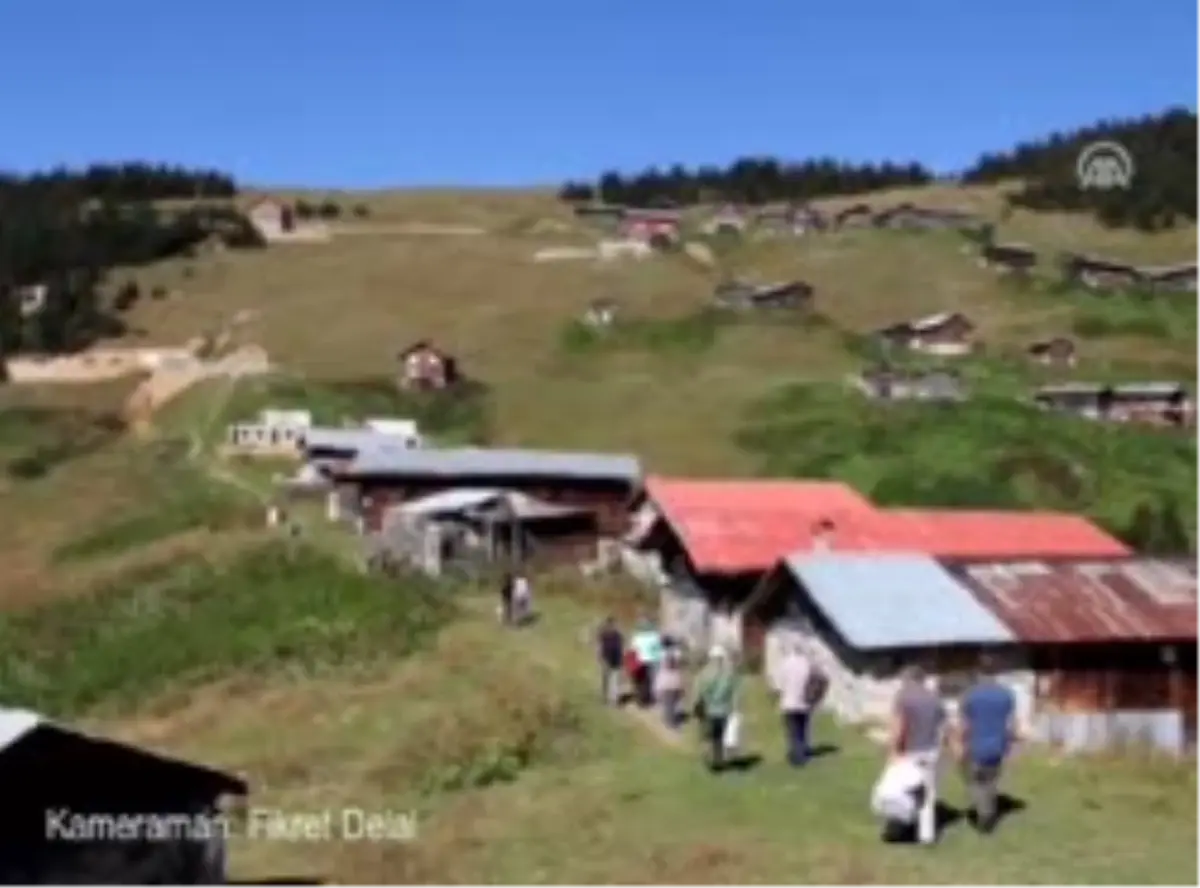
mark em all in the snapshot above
pixel 496 741
pixel 275 607
pixel 176 497
pixel 988 452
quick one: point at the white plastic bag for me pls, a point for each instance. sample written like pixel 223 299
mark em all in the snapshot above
pixel 733 732
pixel 894 795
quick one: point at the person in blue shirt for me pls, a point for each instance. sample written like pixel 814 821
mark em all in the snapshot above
pixel 987 730
pixel 648 645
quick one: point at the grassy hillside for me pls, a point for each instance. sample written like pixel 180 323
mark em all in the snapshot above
pixel 191 628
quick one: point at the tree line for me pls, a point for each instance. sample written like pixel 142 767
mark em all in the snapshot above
pixel 752 181
pixel 62 233
pixel 1162 192
pixel 120 183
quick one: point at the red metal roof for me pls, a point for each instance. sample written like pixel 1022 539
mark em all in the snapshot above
pixel 747 526
pixel 993 534
pixel 1074 600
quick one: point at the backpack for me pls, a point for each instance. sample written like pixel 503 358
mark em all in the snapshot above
pixel 817 686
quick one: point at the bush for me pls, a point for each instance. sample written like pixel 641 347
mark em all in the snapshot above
pixel 304 210
pixel 329 210
pixel 690 335
pixel 36 441
pixel 361 211
pixel 986 453
pixel 270 609
pixel 1166 317
pixel 179 501
pixel 508 715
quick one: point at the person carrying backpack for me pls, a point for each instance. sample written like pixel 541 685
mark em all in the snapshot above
pixel 801 686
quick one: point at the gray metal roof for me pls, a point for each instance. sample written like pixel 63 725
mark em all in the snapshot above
pixel 470 462
pixel 881 602
pixel 484 499
pixel 354 440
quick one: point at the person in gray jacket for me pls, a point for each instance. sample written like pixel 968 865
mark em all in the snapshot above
pixel 918 733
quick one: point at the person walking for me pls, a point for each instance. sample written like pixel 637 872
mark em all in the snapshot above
pixel 986 733
pixel 716 699
pixel 647 645
pixel 798 683
pixel 506 599
pixel 668 685
pixel 522 599
pixel 610 651
pixel 918 734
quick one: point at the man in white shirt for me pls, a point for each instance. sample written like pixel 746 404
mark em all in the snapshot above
pixel 522 596
pixel 793 682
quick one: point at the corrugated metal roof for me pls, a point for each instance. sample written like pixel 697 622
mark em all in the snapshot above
pixel 747 526
pixel 1088 600
pixel 480 499
pixel 478 462
pixel 961 533
pixel 880 602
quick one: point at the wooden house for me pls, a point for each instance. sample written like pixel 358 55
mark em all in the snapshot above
pixel 944 333
pixel 423 367
pixel 381 478
pixel 1098 274
pixel 469 529
pixel 708 544
pixel 858 215
pixel 894 384
pixel 742 296
pixel 1100 650
pixel 705 544
pixel 789 219
pixel 1179 278
pixel 1151 403
pixel 727 220
pixel 1008 258
pixel 1057 351
pixel 658 228
pixel 909 216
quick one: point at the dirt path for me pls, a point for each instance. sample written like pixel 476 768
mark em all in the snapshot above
pixel 549 647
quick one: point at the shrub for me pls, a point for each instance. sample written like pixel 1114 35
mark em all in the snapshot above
pixel 275 607
pixel 691 334
pixel 987 452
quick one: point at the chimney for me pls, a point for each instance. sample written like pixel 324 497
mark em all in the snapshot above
pixel 823 534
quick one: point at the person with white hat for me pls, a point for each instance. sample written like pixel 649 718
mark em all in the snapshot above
pixel 716 696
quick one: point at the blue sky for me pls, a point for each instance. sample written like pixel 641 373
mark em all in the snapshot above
pixel 371 93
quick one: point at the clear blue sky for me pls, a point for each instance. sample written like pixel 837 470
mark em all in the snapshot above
pixel 368 93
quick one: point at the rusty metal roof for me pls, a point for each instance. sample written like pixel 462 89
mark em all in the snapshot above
pixel 1063 601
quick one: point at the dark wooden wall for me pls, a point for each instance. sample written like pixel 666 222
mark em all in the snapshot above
pixel 607 500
